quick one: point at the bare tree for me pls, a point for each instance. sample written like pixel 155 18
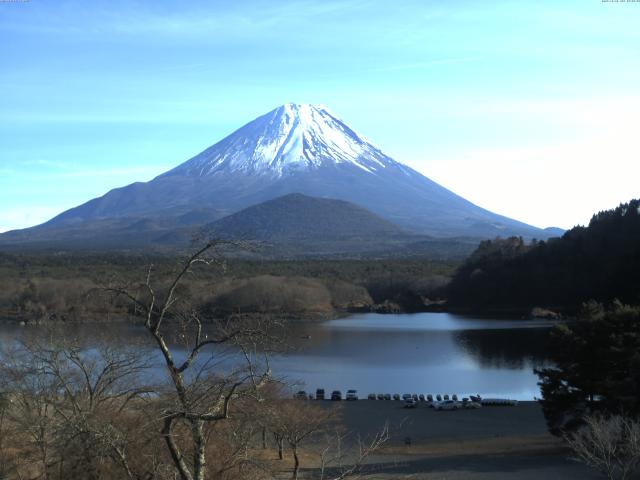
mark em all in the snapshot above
pixel 610 445
pixel 8 462
pixel 67 407
pixel 200 390
pixel 336 463
pixel 296 421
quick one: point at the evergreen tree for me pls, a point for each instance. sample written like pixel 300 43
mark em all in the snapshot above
pixel 597 367
pixel 601 261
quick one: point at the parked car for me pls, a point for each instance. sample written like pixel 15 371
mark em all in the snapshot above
pixel 387 396
pixel 320 394
pixel 380 396
pixel 372 396
pixel 336 395
pixel 301 395
pixel 421 397
pixel 410 403
pixel 405 396
pixel 438 398
pixel 396 396
pixel 430 398
pixel 447 405
pixel 352 395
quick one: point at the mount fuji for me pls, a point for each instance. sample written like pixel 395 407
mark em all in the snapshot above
pixel 296 148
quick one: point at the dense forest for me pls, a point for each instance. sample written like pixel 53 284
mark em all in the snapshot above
pixel 36 288
pixel 598 262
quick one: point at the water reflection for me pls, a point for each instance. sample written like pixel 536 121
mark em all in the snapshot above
pixel 505 348
pixel 419 353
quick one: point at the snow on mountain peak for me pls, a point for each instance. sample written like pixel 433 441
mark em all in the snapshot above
pixel 291 138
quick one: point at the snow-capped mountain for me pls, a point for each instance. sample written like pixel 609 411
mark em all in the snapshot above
pixel 289 139
pixel 293 149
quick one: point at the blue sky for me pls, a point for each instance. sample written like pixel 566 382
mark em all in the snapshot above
pixel 530 109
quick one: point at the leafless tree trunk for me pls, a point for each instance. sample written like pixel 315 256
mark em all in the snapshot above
pixel 280 444
pixel 296 462
pixel 199 394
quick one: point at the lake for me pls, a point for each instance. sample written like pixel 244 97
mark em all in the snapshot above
pixel 421 353
pixel 404 353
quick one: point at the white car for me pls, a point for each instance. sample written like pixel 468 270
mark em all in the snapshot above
pixel 352 395
pixel 447 405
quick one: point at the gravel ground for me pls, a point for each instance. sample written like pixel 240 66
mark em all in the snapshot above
pixel 488 443
pixel 426 425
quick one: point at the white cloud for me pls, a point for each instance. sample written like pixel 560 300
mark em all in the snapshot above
pixel 559 184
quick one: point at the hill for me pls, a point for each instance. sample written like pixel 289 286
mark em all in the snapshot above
pixel 297 217
pixel 599 262
pixel 296 225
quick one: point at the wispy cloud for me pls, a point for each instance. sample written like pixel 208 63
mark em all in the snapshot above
pixel 67 170
pixel 39 162
pixel 141 173
pixel 185 21
pixel 425 64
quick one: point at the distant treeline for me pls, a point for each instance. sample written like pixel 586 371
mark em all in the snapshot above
pixel 599 262
pixel 65 287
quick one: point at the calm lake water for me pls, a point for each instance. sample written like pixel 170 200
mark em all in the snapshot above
pixel 407 353
pixel 421 353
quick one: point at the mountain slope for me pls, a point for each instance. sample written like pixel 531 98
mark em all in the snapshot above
pixel 293 226
pixel 292 149
pixel 290 139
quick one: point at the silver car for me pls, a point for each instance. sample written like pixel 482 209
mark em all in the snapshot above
pixel 447 405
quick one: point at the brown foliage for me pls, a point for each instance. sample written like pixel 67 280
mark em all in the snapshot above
pixel 272 294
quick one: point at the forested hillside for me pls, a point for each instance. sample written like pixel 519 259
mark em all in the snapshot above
pixel 600 262
pixel 65 287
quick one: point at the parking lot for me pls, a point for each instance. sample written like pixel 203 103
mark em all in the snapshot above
pixel 424 425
